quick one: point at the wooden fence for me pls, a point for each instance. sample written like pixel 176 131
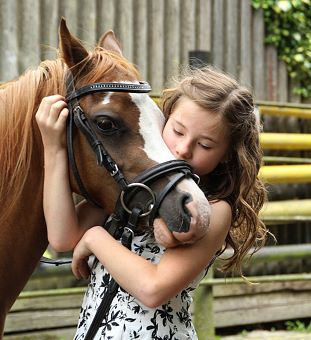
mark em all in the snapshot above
pixel 52 313
pixel 157 35
pixel 218 302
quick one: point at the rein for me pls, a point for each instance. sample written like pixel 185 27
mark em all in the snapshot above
pixel 123 223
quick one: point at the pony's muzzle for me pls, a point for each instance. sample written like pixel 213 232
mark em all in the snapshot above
pixel 198 224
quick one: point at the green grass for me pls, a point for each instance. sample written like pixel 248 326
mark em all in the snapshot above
pixel 298 326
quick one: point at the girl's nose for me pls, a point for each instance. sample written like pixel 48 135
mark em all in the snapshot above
pixel 183 151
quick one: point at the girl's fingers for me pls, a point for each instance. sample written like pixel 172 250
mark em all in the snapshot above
pixel 47 102
pixel 55 110
pixel 185 238
pixel 80 269
pixel 84 269
pixel 75 269
pixel 76 273
pixel 163 235
pixel 50 106
pixel 63 116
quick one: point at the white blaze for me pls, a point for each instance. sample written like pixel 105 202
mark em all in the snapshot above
pixel 107 98
pixel 151 123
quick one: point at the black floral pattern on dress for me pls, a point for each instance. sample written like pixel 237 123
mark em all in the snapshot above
pixel 128 318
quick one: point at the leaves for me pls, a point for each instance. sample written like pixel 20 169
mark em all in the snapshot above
pixel 288 27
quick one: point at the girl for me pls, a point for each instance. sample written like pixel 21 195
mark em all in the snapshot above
pixel 210 124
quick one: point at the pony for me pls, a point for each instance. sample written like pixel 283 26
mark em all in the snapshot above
pixel 134 141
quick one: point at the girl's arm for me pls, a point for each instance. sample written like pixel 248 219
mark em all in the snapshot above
pixel 66 223
pixel 153 284
pixel 64 227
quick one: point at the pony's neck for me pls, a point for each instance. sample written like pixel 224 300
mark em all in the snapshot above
pixel 21 140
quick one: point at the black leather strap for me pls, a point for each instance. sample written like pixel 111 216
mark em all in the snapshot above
pixel 141 87
pixel 55 262
pixel 161 169
pixel 77 116
pixel 73 163
pixel 103 309
pixel 170 185
pixel 69 135
pixel 102 156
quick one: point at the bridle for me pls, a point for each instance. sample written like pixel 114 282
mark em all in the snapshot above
pixel 122 224
pixel 179 169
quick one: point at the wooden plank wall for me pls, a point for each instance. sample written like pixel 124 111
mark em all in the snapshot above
pixel 157 35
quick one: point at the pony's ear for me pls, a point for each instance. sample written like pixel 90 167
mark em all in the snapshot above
pixel 108 41
pixel 71 49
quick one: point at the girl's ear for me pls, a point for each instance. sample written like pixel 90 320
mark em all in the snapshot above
pixel 71 49
pixel 108 41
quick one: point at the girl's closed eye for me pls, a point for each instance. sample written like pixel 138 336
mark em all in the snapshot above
pixel 204 146
pixel 177 132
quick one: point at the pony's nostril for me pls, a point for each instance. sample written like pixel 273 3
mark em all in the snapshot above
pixel 186 215
pixel 186 198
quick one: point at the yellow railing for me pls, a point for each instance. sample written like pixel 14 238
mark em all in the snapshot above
pixel 285 141
pixel 302 111
pixel 279 212
pixel 300 173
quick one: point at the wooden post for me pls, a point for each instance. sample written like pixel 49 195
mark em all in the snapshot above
pixel 29 35
pixel 245 75
pixel 8 40
pixel 156 43
pixel 258 46
pixel 49 27
pixel 204 311
pixel 171 41
pixel 232 37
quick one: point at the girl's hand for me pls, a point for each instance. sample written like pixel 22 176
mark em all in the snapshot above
pixel 163 235
pixel 173 239
pixel 51 118
pixel 81 253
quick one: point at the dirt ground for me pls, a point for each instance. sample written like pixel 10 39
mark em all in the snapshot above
pixel 267 335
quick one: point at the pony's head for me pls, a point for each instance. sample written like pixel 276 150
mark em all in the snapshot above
pixel 125 127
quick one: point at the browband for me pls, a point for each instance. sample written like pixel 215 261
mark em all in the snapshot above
pixel 141 87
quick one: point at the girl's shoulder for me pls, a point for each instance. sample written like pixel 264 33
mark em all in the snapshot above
pixel 220 205
pixel 221 216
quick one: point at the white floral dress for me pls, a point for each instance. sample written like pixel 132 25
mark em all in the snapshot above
pixel 128 318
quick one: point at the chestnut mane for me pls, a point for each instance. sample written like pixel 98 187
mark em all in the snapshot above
pixel 19 101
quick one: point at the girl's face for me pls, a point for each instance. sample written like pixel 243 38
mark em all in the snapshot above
pixel 197 136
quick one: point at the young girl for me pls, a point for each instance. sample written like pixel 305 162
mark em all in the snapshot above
pixel 210 124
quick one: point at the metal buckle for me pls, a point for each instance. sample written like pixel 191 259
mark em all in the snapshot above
pixel 115 171
pixel 196 178
pixel 143 186
pixel 130 231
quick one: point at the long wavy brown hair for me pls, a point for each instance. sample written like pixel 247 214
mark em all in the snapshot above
pixel 236 180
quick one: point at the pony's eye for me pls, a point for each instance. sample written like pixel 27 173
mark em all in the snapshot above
pixel 106 125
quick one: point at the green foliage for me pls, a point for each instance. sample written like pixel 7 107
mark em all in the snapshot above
pixel 288 27
pixel 298 326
